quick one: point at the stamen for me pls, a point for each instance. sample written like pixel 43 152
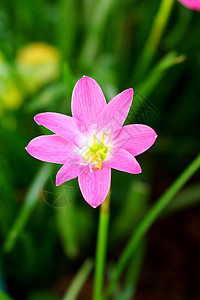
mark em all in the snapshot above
pixel 105 134
pixel 98 164
pixel 90 163
pixel 95 142
pixel 97 153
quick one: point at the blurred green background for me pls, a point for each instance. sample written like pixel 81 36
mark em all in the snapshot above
pixel 45 47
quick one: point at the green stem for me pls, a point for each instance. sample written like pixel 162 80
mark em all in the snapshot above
pixel 151 216
pixel 157 30
pixel 79 280
pixel 101 248
pixel 28 205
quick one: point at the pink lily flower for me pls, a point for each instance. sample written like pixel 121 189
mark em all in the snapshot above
pixel 191 4
pixel 93 141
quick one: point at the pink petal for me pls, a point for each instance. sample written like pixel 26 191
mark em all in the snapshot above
pixel 95 186
pixel 50 148
pixel 114 114
pixel 192 4
pixel 70 170
pixel 65 126
pixel 87 100
pixel 122 160
pixel 135 138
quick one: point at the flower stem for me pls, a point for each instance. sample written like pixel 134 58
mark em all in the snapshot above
pixel 151 216
pixel 101 248
pixel 157 30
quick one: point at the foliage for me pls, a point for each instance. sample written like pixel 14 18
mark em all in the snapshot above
pixel 46 232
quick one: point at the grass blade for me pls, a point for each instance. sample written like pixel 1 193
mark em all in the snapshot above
pixel 4 296
pixel 79 280
pixel 150 218
pixel 28 205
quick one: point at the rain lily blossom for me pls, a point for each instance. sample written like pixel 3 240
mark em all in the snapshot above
pixel 93 141
pixel 191 4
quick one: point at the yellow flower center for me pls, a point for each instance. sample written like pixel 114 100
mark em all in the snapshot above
pixel 97 152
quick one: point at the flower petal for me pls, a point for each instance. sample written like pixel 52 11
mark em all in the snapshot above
pixel 87 100
pixel 70 170
pixel 114 114
pixel 192 4
pixel 135 138
pixel 65 126
pixel 95 186
pixel 123 161
pixel 51 148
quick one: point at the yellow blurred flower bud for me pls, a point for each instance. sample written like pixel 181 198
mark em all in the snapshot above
pixel 38 64
pixel 10 94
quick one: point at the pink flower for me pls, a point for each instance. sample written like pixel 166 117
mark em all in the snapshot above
pixel 93 141
pixel 191 4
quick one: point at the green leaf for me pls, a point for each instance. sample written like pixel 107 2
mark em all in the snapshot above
pixel 149 219
pixel 66 219
pixel 47 97
pixel 29 203
pixel 132 275
pixel 66 27
pixel 74 223
pixel 96 26
pixel 155 35
pixel 68 80
pixel 132 210
pixel 189 197
pixel 4 296
pixel 79 280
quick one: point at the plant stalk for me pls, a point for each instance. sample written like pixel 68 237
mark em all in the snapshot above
pixel 101 248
